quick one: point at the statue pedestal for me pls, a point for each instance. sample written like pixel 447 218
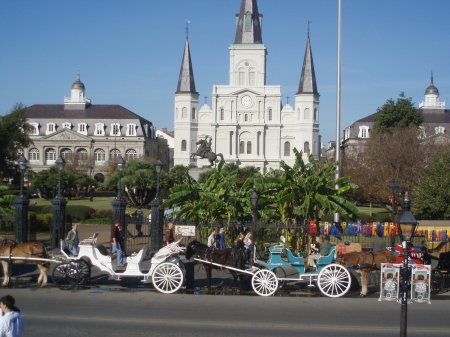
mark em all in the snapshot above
pixel 195 172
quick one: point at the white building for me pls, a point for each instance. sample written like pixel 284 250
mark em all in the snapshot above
pixel 247 122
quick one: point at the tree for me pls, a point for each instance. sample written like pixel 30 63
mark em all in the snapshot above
pixel 6 202
pixel 397 155
pixel 308 191
pixel 13 139
pixel 46 182
pixel 431 196
pixel 138 181
pixel 397 114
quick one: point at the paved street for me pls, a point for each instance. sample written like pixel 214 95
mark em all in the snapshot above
pixel 113 312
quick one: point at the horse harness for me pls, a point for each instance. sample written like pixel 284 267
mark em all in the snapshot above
pixel 15 245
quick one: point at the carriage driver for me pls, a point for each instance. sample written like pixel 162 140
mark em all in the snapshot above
pixel 324 250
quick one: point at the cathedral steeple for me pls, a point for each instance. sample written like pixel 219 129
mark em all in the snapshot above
pixel 248 26
pixel 308 78
pixel 186 83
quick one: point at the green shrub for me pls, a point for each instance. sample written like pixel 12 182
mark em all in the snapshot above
pixel 40 222
pixel 97 221
pixel 78 212
pixel 101 193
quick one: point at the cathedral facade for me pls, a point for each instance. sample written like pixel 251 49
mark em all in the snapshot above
pixel 247 122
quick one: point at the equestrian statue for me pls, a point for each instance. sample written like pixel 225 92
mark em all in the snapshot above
pixel 204 151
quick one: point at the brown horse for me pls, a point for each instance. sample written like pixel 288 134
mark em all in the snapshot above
pixel 11 252
pixel 364 263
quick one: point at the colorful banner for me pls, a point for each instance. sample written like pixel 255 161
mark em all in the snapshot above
pixel 420 283
pixel 390 282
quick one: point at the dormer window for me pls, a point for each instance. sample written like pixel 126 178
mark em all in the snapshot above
pixel 439 130
pixel 34 130
pixel 50 128
pixel 67 125
pixel 115 129
pixel 363 132
pixel 131 129
pixel 99 129
pixel 82 128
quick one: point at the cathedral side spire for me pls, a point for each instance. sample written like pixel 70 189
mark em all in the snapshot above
pixel 248 26
pixel 186 81
pixel 308 83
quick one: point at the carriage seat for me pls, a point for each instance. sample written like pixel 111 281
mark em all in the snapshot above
pixel 326 260
pixel 294 259
pixel 92 240
pixel 102 249
pixel 64 250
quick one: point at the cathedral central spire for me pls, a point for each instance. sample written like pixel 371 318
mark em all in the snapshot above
pixel 248 27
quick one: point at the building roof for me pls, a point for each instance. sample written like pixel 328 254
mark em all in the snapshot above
pixel 248 28
pixel 96 111
pixel 308 83
pixel 434 116
pixel 186 83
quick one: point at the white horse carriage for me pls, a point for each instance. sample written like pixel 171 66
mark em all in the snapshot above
pixel 166 271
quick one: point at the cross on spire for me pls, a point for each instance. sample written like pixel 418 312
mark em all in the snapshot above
pixel 187 29
pixel 309 22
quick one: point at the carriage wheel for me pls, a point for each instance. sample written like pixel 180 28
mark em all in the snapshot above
pixel 280 273
pixel 334 280
pixel 81 272
pixel 265 282
pixel 61 274
pixel 167 277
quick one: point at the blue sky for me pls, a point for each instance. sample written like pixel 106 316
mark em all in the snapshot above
pixel 129 52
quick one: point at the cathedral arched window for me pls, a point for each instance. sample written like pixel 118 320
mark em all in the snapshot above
pixel 33 155
pixel 193 113
pixel 99 156
pixel 241 75
pixel 252 77
pixel 316 114
pixel 246 118
pixel 248 22
pixel 222 114
pixel 270 114
pixel 82 154
pixel 114 154
pixel 241 146
pixel 66 153
pixel 287 149
pixel 249 147
pixel 184 113
pixel 306 114
pixel 50 156
pixel 183 145
pixel 130 154
pixel 306 147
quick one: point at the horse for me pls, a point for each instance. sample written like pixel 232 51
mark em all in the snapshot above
pixel 364 262
pixel 233 257
pixel 10 248
pixel 204 151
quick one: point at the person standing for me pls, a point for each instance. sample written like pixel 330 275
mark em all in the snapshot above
pixel 72 240
pixel 11 323
pixel 212 238
pixel 378 244
pixel 168 236
pixel 117 243
pixel 220 239
pixel 91 193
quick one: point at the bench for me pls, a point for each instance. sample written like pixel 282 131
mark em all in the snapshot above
pixel 326 260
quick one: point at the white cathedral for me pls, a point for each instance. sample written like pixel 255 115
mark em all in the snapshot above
pixel 247 122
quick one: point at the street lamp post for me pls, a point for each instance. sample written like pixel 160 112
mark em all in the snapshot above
pixel 21 204
pixel 156 230
pixel 59 207
pixel 254 200
pixel 394 189
pixel 119 204
pixel 407 224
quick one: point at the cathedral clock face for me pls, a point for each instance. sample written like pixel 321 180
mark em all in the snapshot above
pixel 246 101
